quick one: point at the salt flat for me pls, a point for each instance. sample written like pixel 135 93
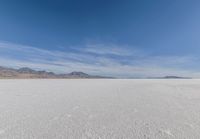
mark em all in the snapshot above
pixel 100 109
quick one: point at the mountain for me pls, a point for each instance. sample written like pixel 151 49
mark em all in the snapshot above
pixel 76 74
pixel 169 77
pixel 175 77
pixel 29 73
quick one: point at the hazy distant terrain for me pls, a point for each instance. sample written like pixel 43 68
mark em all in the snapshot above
pixel 100 109
pixel 28 73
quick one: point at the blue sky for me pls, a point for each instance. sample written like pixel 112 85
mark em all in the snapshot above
pixel 122 38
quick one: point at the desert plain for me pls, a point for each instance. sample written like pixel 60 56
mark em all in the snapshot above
pixel 100 109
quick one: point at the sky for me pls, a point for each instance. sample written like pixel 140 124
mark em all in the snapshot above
pixel 120 38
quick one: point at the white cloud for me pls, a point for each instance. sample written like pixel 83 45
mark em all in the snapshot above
pixel 97 59
pixel 110 49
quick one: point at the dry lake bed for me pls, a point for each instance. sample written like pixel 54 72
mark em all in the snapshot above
pixel 100 109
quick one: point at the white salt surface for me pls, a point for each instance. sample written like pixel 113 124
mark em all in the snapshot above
pixel 100 109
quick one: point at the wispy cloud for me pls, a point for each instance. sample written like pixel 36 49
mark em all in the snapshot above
pixel 107 49
pixel 101 59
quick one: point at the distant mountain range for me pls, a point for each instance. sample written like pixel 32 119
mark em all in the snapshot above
pixel 23 73
pixel 170 77
pixel 175 77
pixel 28 73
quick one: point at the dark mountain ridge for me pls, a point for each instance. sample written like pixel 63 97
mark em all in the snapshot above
pixel 26 72
pixel 170 77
